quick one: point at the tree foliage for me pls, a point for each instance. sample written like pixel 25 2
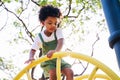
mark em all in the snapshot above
pixel 22 17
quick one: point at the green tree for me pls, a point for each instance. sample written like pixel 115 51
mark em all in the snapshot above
pixel 20 17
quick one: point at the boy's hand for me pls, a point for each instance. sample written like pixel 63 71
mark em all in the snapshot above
pixel 31 57
pixel 50 53
pixel 29 60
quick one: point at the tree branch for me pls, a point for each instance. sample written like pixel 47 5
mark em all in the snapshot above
pixel 70 2
pixel 26 29
pixel 35 2
pixel 69 6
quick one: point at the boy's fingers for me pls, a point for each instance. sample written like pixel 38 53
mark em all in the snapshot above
pixel 28 61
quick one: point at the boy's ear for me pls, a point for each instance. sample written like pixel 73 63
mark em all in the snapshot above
pixel 42 23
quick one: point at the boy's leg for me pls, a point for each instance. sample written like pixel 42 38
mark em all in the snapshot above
pixel 52 74
pixel 68 73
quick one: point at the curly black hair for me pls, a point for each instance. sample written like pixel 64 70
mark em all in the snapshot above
pixel 47 11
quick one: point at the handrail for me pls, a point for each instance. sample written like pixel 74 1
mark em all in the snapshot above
pixel 80 56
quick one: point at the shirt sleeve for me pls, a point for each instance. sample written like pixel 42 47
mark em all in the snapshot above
pixel 59 33
pixel 37 43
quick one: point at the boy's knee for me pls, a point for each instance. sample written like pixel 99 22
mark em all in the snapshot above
pixel 52 74
pixel 52 77
pixel 68 72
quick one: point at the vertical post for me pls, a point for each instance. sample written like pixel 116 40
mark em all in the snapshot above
pixel 111 10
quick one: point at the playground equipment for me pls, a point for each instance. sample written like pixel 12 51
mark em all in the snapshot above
pixel 112 13
pixel 109 74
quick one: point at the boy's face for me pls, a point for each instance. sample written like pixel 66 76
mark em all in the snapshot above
pixel 51 24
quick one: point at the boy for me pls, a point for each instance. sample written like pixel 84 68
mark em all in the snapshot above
pixel 51 40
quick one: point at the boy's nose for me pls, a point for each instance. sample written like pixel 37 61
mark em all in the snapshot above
pixel 54 25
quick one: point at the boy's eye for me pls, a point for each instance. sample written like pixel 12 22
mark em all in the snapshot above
pixel 49 23
pixel 53 23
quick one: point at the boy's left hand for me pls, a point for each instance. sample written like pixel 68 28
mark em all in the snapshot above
pixel 50 53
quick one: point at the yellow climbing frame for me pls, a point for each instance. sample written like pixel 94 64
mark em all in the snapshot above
pixel 109 74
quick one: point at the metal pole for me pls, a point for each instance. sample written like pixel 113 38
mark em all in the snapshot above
pixel 111 10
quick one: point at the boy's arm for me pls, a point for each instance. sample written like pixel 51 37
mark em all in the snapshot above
pixel 31 56
pixel 32 53
pixel 59 45
pixel 58 48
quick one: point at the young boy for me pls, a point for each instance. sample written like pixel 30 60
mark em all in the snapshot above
pixel 51 40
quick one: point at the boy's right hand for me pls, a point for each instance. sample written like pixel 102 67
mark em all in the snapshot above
pixel 31 57
pixel 29 60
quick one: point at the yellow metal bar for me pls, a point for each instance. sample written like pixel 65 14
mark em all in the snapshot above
pixel 96 76
pixel 80 56
pixel 34 63
pixel 29 66
pixel 58 69
pixel 97 63
pixel 91 76
pixel 28 75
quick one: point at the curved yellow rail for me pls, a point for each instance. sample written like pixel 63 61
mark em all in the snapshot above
pixel 98 65
pixel 96 76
